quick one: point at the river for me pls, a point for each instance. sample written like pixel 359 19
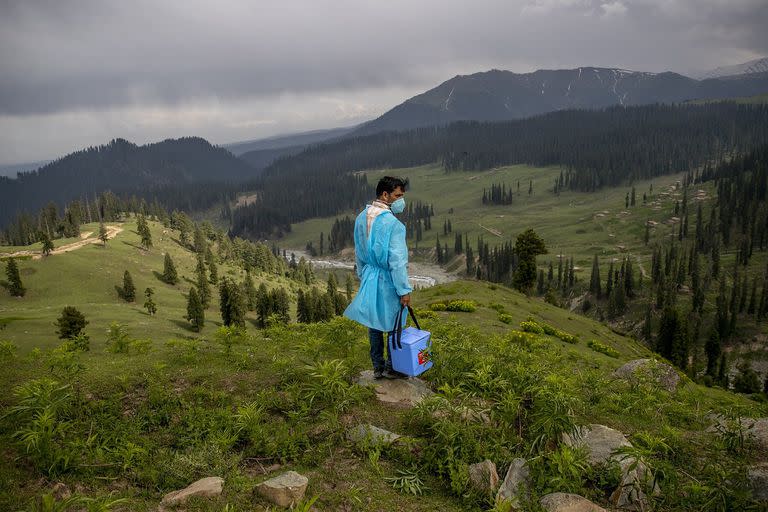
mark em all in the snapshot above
pixel 421 275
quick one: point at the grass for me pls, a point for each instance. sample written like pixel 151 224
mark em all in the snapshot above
pixel 184 405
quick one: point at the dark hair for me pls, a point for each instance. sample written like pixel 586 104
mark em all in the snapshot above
pixel 389 184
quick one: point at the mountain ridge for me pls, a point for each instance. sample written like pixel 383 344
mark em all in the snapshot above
pixel 498 95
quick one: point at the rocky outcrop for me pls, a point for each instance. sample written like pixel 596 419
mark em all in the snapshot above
pixel 640 370
pixel 285 490
pixel 205 487
pixel 406 392
pixel 564 502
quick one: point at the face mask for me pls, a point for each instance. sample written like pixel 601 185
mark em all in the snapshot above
pixel 398 206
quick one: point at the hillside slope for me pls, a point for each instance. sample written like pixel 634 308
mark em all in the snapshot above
pixel 123 168
pixel 176 406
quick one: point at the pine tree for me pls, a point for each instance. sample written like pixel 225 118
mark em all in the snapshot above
pixel 71 323
pixel 144 233
pixel 527 246
pixel 195 309
pixel 713 351
pixel 594 279
pixel 14 279
pixel 648 323
pixel 47 243
pixel 722 371
pixel 169 270
pixel 149 304
pixel 200 242
pixel 103 235
pixel 249 292
pixel 303 314
pixel 439 251
pixel 231 304
pixel 203 290
pixel 214 273
pixel 128 289
pixel 263 305
pixel 349 286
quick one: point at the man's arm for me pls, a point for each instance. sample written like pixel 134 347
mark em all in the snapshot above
pixel 398 264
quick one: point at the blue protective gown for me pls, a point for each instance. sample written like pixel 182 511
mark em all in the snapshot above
pixel 382 266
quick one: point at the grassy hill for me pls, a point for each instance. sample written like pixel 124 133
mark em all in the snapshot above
pixel 180 405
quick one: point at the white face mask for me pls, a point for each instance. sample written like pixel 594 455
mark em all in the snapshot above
pixel 398 206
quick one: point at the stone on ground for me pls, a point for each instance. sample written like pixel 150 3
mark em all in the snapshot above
pixel 516 483
pixel 754 429
pixel 483 476
pixel 396 391
pixel 649 370
pixel 372 434
pixel 205 487
pixel 284 490
pixel 758 481
pixel 564 502
pixel 601 443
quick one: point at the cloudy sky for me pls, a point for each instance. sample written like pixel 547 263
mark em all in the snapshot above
pixel 75 73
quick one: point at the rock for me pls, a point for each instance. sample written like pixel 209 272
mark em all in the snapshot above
pixel 601 443
pixel 599 440
pixel 483 476
pixel 516 483
pixel 564 502
pixel 758 481
pixel 759 432
pixel 284 490
pixel 754 429
pixel 630 494
pixel 206 487
pixel 372 434
pixel 60 491
pixel 397 391
pixel 649 369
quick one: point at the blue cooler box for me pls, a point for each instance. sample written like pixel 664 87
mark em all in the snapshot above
pixel 416 355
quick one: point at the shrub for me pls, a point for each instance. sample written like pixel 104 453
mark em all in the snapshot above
pixel 466 306
pixel 603 349
pixel 438 306
pixel 426 314
pixel 499 308
pixel 506 318
pixel 531 326
pixel 117 338
pixel 747 381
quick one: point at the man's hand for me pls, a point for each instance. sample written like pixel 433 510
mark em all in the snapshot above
pixel 405 300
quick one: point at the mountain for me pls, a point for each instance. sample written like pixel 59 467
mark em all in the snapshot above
pixel 746 68
pixel 287 141
pixel 503 95
pixel 124 168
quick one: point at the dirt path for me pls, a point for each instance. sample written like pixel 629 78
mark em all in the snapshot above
pixel 86 239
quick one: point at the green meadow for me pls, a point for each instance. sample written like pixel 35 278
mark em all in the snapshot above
pixel 122 426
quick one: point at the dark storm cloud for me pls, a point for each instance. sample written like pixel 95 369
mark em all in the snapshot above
pixel 58 56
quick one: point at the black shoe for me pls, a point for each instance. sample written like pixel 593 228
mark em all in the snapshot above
pixel 392 374
pixel 378 374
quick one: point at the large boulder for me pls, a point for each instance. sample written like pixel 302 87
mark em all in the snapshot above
pixel 205 487
pixel 284 490
pixel 758 481
pixel 640 370
pixel 406 392
pixel 564 502
pixel 483 476
pixel 516 483
pixel 371 434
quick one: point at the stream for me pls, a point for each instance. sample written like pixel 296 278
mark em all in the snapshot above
pixel 420 275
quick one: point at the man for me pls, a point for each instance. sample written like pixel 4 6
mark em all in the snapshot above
pixel 382 266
